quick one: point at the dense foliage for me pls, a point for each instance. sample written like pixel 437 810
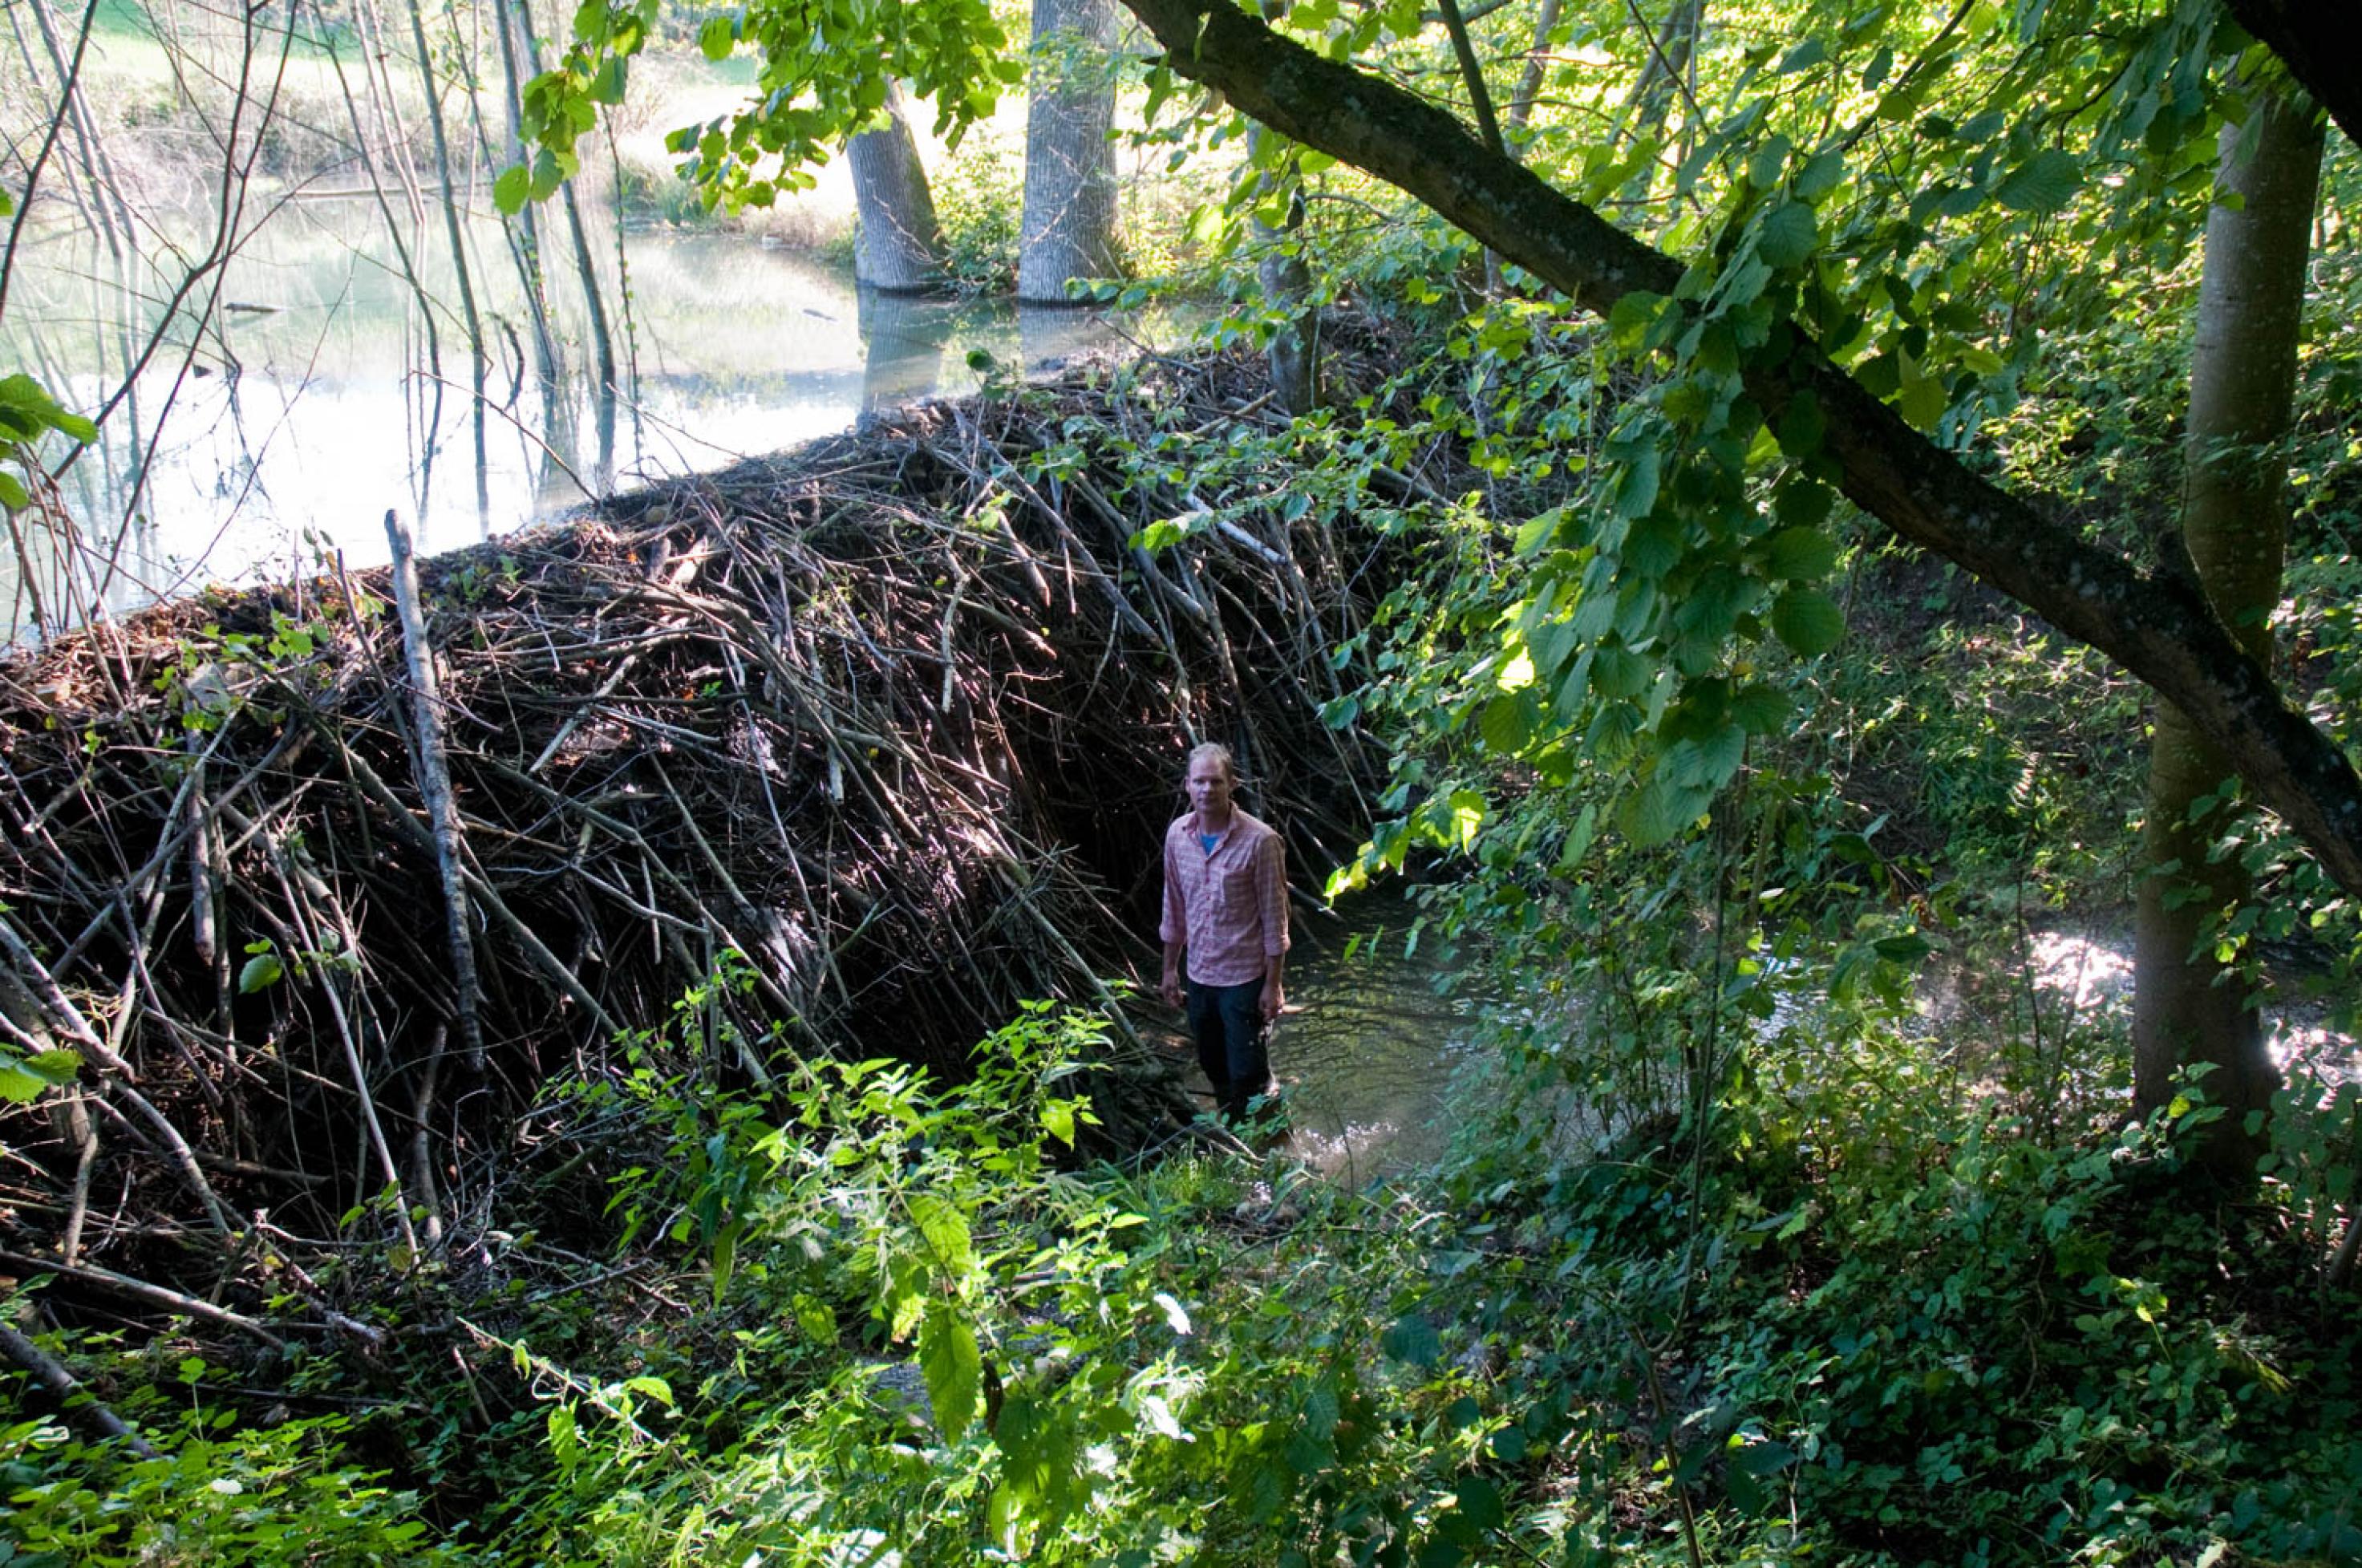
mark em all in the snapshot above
pixel 1794 1213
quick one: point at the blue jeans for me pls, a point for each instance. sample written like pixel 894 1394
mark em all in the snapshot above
pixel 1228 1027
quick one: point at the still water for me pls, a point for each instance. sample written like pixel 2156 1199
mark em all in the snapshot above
pixel 307 405
pixel 1378 1027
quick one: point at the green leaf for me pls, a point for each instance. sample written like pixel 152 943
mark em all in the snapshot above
pixel 1507 723
pixel 1635 321
pixel 1537 531
pixel 18 1086
pixel 22 1082
pixel 1705 764
pixel 261 973
pixel 1907 949
pixel 1660 809
pixel 945 1229
pixel 1480 1502
pixel 1637 483
pixel 1161 536
pixel 12 493
pixel 607 86
pixel 1761 710
pixel 2043 183
pixel 1790 234
pixel 953 1366
pixel 1800 555
pixel 1617 671
pixel 1820 175
pixel 1058 1121
pixel 1802 425
pixel 1413 1339
pixel 1808 621
pixel 1922 400
pixel 1654 548
pixel 511 189
pixel 1613 733
pixel 55 1068
pixel 655 1388
pixel 1803 502
pixel 1811 52
pixel 716 38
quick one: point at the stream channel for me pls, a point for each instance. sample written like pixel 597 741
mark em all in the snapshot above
pixel 1376 1027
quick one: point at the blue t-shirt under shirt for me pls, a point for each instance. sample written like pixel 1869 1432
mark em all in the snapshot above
pixel 1205 840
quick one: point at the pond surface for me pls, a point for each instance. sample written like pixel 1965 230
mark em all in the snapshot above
pixel 1372 1040
pixel 308 406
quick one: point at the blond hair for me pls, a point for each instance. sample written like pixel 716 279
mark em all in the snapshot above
pixel 1215 751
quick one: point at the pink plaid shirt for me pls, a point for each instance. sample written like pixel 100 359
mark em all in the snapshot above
pixel 1229 908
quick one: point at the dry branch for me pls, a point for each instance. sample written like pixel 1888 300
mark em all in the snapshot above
pixel 885 728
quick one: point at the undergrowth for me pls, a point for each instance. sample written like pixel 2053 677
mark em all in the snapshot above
pixel 875 1319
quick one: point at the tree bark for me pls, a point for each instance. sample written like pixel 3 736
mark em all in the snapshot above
pixel 2159 626
pixel 2187 1008
pixel 1068 229
pixel 900 246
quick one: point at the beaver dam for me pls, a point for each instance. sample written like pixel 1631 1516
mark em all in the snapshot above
pixel 321 885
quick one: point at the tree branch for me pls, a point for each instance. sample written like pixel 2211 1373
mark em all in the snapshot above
pixel 2316 47
pixel 2158 629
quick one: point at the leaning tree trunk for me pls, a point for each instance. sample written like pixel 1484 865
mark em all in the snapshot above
pixel 900 248
pixel 2189 1009
pixel 1673 55
pixel 1069 223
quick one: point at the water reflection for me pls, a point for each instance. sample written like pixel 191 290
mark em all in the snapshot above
pixel 1364 1063
pixel 304 408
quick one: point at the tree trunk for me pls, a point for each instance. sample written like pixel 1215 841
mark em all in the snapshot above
pixel 2189 1008
pixel 900 248
pixel 1673 54
pixel 1069 223
pixel 479 363
pixel 1293 353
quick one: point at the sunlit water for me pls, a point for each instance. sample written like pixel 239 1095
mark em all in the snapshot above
pixel 1377 1031
pixel 1371 1041
pixel 291 427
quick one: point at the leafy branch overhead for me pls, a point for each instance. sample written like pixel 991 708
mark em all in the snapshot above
pixel 823 77
pixel 1806 344
pixel 1745 324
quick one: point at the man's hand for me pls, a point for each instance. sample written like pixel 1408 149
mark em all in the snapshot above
pixel 1171 990
pixel 1272 1001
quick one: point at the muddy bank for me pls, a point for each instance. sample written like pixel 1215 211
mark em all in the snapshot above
pixel 883 730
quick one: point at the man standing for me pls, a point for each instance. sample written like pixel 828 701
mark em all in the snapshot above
pixel 1225 911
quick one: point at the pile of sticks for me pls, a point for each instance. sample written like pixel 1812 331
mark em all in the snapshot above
pixel 322 885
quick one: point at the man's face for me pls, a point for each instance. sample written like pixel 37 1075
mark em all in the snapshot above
pixel 1209 787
